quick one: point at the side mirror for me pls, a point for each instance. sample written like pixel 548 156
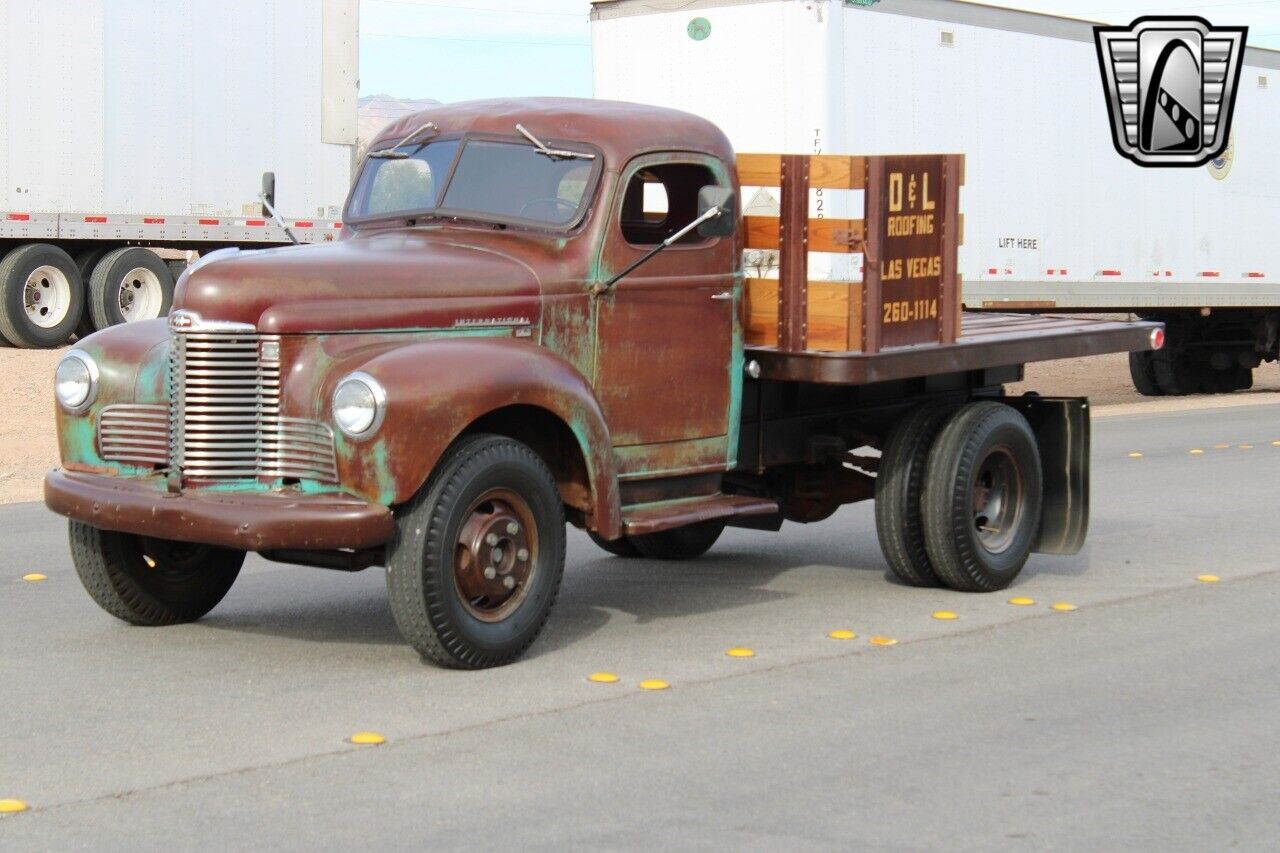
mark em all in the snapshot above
pixel 269 188
pixel 710 197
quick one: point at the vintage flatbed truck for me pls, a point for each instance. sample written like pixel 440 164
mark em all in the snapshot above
pixel 538 312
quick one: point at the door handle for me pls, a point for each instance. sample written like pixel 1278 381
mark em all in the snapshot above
pixel 722 295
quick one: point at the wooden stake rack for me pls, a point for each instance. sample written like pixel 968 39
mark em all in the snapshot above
pixel 909 237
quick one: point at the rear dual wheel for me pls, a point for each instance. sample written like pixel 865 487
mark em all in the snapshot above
pixel 129 284
pixel 961 497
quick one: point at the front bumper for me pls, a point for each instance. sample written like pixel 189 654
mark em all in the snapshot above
pixel 248 521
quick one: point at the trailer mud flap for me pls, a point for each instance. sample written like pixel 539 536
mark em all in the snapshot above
pixel 1061 426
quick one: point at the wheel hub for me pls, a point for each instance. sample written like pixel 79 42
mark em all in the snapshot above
pixel 140 295
pixel 496 555
pixel 46 296
pixel 997 500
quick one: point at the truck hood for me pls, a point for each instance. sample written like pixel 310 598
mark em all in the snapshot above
pixel 393 280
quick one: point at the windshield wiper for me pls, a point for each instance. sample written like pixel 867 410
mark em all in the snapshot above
pixel 393 154
pixel 554 153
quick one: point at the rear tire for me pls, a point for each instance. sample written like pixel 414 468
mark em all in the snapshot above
pixel 129 284
pixel 682 543
pixel 1142 372
pixel 41 296
pixel 982 498
pixel 899 486
pixel 620 547
pixel 151 582
pixel 85 262
pixel 490 504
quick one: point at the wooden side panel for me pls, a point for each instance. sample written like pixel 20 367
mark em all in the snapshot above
pixel 842 236
pixel 829 309
pixel 826 171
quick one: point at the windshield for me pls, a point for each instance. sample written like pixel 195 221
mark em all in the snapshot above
pixel 491 181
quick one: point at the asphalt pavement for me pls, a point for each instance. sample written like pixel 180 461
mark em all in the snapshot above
pixel 1147 717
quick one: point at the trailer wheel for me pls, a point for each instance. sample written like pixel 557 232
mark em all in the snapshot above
pixel 476 563
pixel 1174 373
pixel 41 296
pixel 982 498
pixel 152 582
pixel 1142 372
pixel 621 547
pixel 129 284
pixel 899 486
pixel 681 543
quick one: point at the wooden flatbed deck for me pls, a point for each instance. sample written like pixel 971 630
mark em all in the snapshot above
pixel 986 340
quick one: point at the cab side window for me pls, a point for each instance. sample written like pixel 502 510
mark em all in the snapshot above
pixel 660 200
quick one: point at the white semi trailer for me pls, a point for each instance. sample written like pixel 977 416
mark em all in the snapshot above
pixel 1055 219
pixel 133 125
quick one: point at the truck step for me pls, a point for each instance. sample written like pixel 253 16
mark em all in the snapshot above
pixel 665 515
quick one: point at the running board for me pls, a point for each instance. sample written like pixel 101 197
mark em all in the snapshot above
pixel 665 515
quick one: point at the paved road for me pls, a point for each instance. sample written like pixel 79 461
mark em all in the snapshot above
pixel 1146 718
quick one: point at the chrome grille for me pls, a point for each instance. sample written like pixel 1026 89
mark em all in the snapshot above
pixel 134 433
pixel 224 412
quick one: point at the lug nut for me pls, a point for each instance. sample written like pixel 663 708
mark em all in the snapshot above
pixel 496 555
pixel 491 539
pixel 509 582
pixel 522 554
pixel 490 573
pixel 512 528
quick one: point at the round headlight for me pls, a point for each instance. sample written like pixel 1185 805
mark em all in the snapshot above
pixel 76 381
pixel 358 405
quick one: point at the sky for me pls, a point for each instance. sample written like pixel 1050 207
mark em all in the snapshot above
pixel 453 50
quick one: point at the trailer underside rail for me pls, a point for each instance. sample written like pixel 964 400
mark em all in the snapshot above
pixel 986 340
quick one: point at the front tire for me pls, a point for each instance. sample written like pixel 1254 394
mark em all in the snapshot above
pixel 982 498
pixel 478 555
pixel 151 582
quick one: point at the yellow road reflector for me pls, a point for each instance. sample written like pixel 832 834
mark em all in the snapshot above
pixel 1062 606
pixel 368 738
pixel 1135 455
pixel 1245 446
pixel 34 576
pixel 740 652
pixel 603 677
pixel 12 806
pixel 944 615
pixel 842 634
pixel 1208 578
pixel 151 564
pixel 1275 444
pixel 653 684
pixel 1221 446
pixel 882 641
pixel 1195 451
pixel 1022 601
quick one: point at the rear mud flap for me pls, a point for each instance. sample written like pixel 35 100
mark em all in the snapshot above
pixel 1061 426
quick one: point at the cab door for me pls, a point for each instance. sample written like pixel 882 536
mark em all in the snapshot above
pixel 668 337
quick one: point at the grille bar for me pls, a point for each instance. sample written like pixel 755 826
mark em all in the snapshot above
pixel 134 433
pixel 225 412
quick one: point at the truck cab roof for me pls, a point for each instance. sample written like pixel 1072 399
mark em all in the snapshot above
pixel 619 129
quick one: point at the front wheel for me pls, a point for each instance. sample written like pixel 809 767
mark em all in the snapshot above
pixel 476 563
pixel 982 498
pixel 147 581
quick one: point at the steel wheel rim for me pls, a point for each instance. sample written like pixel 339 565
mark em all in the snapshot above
pixel 495 555
pixel 46 296
pixel 140 295
pixel 997 500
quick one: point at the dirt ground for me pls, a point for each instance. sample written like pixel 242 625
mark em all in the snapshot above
pixel 29 446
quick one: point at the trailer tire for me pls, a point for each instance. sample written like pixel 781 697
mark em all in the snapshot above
pixel 85 262
pixel 129 284
pixel 982 498
pixel 621 547
pixel 680 543
pixel 489 500
pixel 1175 376
pixel 1142 372
pixel 899 486
pixel 151 582
pixel 41 296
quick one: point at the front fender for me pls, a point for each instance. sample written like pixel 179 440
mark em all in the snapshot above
pixel 437 388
